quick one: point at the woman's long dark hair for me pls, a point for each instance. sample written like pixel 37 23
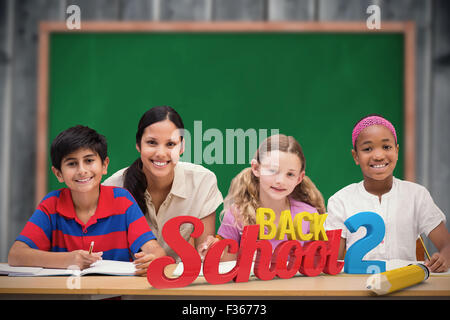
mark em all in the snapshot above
pixel 135 180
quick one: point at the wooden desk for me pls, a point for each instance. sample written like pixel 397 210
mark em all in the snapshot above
pixel 343 285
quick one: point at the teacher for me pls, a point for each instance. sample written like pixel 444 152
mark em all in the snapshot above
pixel 165 187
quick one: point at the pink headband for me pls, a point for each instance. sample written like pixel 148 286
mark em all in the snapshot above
pixel 371 121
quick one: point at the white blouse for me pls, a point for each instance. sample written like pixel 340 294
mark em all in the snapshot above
pixel 407 210
pixel 194 192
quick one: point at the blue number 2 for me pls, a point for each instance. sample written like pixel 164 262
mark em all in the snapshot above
pixel 375 227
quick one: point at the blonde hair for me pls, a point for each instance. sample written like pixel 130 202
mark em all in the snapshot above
pixel 243 195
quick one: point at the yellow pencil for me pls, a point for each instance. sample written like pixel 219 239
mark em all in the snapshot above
pixel 425 248
pixel 91 247
pixel 397 279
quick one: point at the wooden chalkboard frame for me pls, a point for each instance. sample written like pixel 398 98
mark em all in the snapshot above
pixel 46 28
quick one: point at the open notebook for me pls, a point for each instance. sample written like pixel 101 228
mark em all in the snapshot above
pixel 105 267
pixel 227 266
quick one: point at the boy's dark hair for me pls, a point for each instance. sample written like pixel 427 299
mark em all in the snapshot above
pixel 74 138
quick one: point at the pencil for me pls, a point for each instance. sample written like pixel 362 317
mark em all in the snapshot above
pixel 396 279
pixel 91 247
pixel 425 248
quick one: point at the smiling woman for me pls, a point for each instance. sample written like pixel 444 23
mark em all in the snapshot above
pixel 163 186
pixel 160 148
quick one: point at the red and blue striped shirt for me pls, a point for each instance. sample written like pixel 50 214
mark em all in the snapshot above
pixel 118 227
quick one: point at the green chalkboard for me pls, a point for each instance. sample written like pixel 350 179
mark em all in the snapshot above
pixel 313 86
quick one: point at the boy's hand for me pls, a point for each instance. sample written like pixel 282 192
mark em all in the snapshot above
pixel 142 262
pixel 437 263
pixel 83 259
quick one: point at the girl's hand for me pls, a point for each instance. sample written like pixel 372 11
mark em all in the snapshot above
pixel 437 263
pixel 142 262
pixel 83 259
pixel 204 247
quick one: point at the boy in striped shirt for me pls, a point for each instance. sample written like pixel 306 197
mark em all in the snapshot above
pixel 60 231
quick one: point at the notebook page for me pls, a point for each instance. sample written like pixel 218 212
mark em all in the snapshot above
pixel 111 267
pixel 7 269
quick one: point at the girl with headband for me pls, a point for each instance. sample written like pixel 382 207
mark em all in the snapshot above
pixel 406 207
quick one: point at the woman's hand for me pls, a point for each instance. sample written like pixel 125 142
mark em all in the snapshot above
pixel 204 246
pixel 142 262
pixel 150 251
